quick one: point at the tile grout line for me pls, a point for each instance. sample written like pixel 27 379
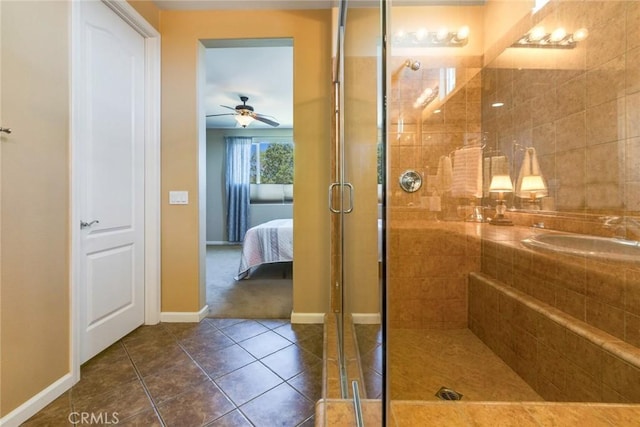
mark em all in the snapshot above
pixel 144 386
pixel 236 407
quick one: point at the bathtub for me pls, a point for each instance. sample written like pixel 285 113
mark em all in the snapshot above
pixel 583 245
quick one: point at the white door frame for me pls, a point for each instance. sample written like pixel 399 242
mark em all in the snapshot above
pixel 151 173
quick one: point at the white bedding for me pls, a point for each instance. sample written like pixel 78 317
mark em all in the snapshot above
pixel 266 243
pixel 272 242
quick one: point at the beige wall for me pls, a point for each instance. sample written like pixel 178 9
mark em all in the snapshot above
pixel 182 280
pixel 148 10
pixel 34 317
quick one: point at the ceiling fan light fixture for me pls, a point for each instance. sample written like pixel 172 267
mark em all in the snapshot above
pixel 243 119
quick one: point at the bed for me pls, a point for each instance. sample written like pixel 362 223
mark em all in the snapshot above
pixel 272 242
pixel 266 243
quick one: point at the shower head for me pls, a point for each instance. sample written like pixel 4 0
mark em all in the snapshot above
pixel 413 64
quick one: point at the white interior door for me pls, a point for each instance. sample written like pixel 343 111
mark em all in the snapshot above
pixel 111 139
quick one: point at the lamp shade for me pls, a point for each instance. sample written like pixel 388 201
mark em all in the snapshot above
pixel 243 120
pixel 501 184
pixel 533 184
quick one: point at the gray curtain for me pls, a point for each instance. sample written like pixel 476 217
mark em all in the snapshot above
pixel 237 177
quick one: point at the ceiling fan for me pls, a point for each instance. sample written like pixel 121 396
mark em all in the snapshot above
pixel 244 114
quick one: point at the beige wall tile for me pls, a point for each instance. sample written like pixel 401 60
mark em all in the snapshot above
pixel 606 82
pixel 571 96
pixel 633 115
pixel 571 132
pixel 606 317
pixel 607 41
pixel 605 162
pixel 621 377
pixel 605 122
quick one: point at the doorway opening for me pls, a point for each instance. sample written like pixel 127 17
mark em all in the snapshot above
pixel 247 100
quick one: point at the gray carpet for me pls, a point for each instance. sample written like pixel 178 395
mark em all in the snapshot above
pixel 266 294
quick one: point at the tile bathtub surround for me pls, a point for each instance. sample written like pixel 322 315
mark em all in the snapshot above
pixel 604 294
pixel 217 372
pixel 562 358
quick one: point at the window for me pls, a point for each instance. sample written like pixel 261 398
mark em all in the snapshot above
pixel 271 170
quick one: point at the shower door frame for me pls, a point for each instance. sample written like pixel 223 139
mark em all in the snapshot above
pixel 342 192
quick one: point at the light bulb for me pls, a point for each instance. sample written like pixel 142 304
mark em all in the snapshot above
pixel 580 34
pixel 537 34
pixel 442 33
pixel 420 34
pixel 558 35
pixel 463 33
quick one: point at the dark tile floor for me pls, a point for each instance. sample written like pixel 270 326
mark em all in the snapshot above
pixel 219 372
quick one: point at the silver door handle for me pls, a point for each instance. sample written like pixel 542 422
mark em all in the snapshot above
pixel 350 187
pixel 337 184
pixel 88 224
pixel 331 187
pixel 5 130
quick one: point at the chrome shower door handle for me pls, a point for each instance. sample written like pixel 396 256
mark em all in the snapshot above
pixel 350 187
pixel 331 187
pixel 337 184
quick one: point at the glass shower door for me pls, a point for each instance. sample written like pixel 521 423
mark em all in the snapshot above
pixel 356 201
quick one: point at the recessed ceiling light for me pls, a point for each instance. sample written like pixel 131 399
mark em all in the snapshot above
pixel 497 104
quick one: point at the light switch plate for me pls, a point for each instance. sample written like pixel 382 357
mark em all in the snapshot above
pixel 178 197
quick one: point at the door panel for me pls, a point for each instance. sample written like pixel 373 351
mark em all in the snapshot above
pixel 112 178
pixel 353 195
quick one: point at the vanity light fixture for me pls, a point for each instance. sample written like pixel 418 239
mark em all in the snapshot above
pixel 557 39
pixel 535 186
pixel 501 184
pixel 425 38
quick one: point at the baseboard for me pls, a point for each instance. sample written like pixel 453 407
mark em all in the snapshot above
pixel 366 318
pixel 184 316
pixel 32 406
pixel 307 317
pixel 221 243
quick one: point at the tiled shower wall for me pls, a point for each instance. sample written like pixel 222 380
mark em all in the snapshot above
pixel 579 108
pixel 417 139
pixel 581 111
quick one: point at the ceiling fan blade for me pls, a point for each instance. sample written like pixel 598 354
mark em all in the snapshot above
pixel 216 115
pixel 230 108
pixel 263 119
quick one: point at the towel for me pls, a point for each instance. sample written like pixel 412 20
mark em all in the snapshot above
pixel 467 173
pixel 443 175
pixel 530 166
pixel 495 165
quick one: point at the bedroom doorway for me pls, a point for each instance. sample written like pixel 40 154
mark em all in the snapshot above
pixel 249 177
